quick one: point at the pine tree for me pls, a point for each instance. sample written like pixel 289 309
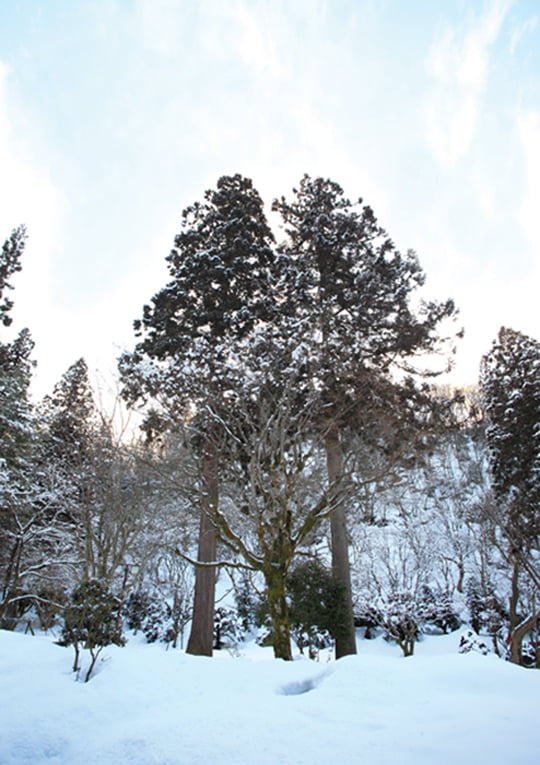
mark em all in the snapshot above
pixel 220 289
pixel 350 291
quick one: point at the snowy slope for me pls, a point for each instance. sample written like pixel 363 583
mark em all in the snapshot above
pixel 149 706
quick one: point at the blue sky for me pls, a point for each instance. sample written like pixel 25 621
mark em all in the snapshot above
pixel 116 114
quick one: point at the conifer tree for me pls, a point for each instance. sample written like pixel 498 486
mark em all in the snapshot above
pixel 15 361
pixel 72 444
pixel 220 289
pixel 10 263
pixel 71 413
pixel 510 386
pixel 350 290
pixel 510 390
pixel 16 432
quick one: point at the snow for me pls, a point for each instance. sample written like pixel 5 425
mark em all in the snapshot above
pixel 149 706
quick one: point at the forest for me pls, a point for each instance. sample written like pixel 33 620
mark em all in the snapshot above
pixel 297 473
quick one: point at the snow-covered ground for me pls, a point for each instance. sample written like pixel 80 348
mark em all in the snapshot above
pixel 149 706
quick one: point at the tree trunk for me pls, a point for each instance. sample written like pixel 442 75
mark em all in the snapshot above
pixel 345 642
pixel 279 612
pixel 514 596
pixel 201 637
pixel 517 637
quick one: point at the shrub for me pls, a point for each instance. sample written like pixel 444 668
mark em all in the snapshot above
pixel 91 620
pixel 228 628
pixel 153 616
pixel 317 609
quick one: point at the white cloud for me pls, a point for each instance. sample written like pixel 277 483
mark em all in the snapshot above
pixel 520 31
pixel 257 46
pixel 458 63
pixel 27 197
pixel 529 134
pixel 160 24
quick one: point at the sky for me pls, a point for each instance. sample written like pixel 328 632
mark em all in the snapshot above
pixel 115 115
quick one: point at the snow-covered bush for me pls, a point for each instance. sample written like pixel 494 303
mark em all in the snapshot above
pixel 401 617
pixel 145 611
pixel 246 600
pixel 136 608
pixel 91 621
pixel 487 612
pixel 228 628
pixel 471 642
pixel 405 615
pixel 440 613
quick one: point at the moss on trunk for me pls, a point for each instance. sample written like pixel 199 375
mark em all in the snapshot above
pixel 275 577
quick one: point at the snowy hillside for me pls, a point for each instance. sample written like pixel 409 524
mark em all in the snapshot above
pixel 149 706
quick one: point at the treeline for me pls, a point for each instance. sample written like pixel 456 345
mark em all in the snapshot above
pixel 292 436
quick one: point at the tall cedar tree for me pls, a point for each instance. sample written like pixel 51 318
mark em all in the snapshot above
pixel 15 363
pixel 71 425
pixel 221 288
pixel 16 428
pixel 351 290
pixel 510 390
pixel 10 263
pixel 71 413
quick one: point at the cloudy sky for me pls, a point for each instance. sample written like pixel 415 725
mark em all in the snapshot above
pixel 117 114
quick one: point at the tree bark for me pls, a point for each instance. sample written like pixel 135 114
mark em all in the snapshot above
pixel 201 637
pixel 517 637
pixel 279 612
pixel 514 596
pixel 345 642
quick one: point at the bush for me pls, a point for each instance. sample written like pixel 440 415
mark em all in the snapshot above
pixel 153 616
pixel 471 642
pixel 487 612
pixel 439 611
pixel 136 609
pixel 91 620
pixel 401 618
pixel 247 603
pixel 228 628
pixel 317 609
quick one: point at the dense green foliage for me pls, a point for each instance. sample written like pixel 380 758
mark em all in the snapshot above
pixel 91 621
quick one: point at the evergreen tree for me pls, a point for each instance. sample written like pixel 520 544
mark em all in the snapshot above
pixel 510 385
pixel 71 413
pixel 220 290
pixel 16 416
pixel 15 362
pixel 36 533
pixel 349 290
pixel 10 263
pixel 16 436
pixel 510 389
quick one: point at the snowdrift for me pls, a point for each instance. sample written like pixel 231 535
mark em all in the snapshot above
pixel 149 706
